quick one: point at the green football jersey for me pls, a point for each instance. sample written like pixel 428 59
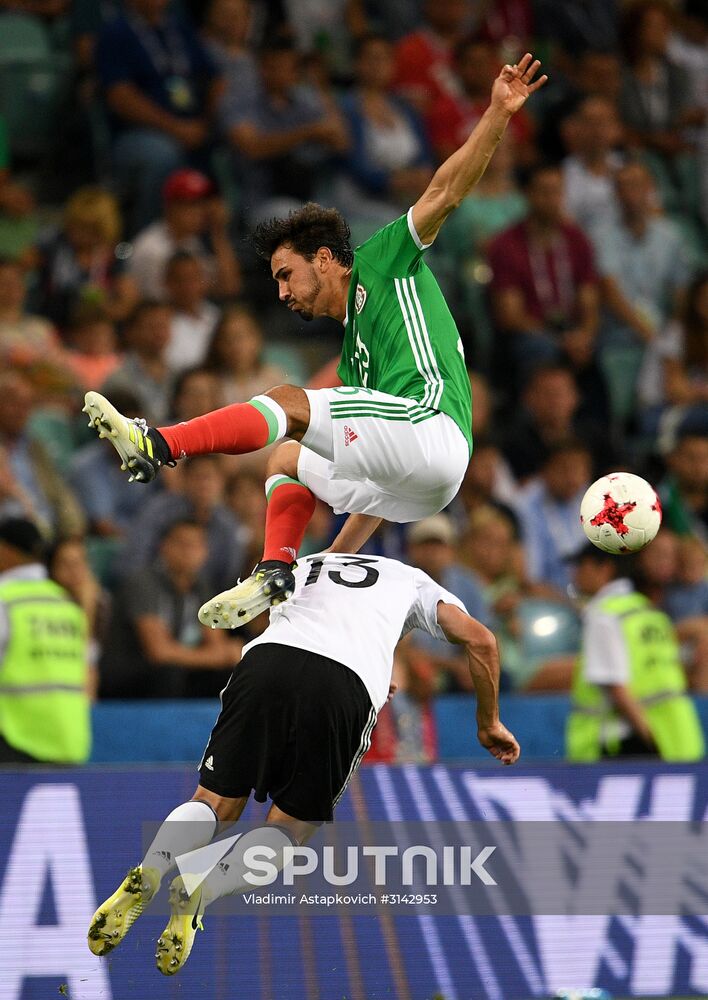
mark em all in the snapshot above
pixel 399 335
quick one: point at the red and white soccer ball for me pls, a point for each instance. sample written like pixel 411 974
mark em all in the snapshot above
pixel 620 513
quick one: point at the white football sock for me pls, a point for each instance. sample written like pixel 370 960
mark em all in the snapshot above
pixel 227 877
pixel 188 827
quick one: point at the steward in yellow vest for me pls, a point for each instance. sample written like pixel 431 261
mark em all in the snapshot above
pixel 629 687
pixel 44 703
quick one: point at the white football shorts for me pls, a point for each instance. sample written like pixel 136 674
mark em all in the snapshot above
pixel 366 452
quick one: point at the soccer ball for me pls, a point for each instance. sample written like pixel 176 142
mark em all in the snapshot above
pixel 620 513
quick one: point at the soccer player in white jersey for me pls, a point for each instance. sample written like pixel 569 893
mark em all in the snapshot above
pixel 394 440
pixel 296 719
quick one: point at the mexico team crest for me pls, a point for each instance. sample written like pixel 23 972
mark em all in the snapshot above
pixel 360 298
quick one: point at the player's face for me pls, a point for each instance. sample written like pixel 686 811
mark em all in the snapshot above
pixel 299 286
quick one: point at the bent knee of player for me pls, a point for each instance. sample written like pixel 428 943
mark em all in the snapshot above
pixel 227 810
pixel 296 405
pixel 283 460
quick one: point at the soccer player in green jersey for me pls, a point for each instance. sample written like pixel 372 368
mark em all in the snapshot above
pixel 393 441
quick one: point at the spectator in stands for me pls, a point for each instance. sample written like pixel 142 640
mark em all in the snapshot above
pixel 488 482
pixel 285 137
pixel 14 500
pixel 194 220
pixel 686 603
pixel 491 548
pixel 671 572
pixel 688 48
pixel 405 731
pixel 431 547
pixel 327 28
pixel 388 164
pixel 18 211
pixel 424 70
pixel 684 490
pixel 53 503
pixel 592 134
pixel 226 35
pixel 85 262
pixel 144 371
pixel 162 91
pixel 110 502
pixel 29 343
pixel 675 371
pixel 687 596
pixel 236 357
pixel 508 23
pixel 544 289
pixel 641 260
pixel 194 317
pixel 93 346
pixel 196 392
pixel 577 26
pixel 597 72
pixel 548 416
pixel 155 644
pixel 42 639
pixel 68 565
pixel 199 497
pixel 657 566
pixel 494 204
pixel 246 499
pixel 656 100
pixel 629 686
pixel 548 513
pixel 453 115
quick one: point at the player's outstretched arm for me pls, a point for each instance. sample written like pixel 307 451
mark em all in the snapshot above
pixel 483 658
pixel 456 177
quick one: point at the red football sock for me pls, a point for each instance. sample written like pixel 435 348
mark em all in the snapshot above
pixel 231 430
pixel 290 507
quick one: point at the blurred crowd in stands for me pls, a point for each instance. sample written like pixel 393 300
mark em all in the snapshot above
pixel 139 142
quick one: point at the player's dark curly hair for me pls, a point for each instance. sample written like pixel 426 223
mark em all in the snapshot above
pixel 305 231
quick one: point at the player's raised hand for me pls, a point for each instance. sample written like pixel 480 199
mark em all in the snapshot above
pixel 500 742
pixel 515 84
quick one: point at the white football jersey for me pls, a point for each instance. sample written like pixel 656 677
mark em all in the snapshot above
pixel 354 609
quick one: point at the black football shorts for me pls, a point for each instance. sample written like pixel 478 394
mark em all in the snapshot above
pixel 294 726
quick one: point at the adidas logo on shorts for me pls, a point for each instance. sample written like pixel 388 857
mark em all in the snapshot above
pixel 209 763
pixel 349 436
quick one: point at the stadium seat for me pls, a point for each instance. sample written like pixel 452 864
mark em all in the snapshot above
pixel 32 84
pixel 547 629
pixel 620 366
pixel 102 554
pixel 54 430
